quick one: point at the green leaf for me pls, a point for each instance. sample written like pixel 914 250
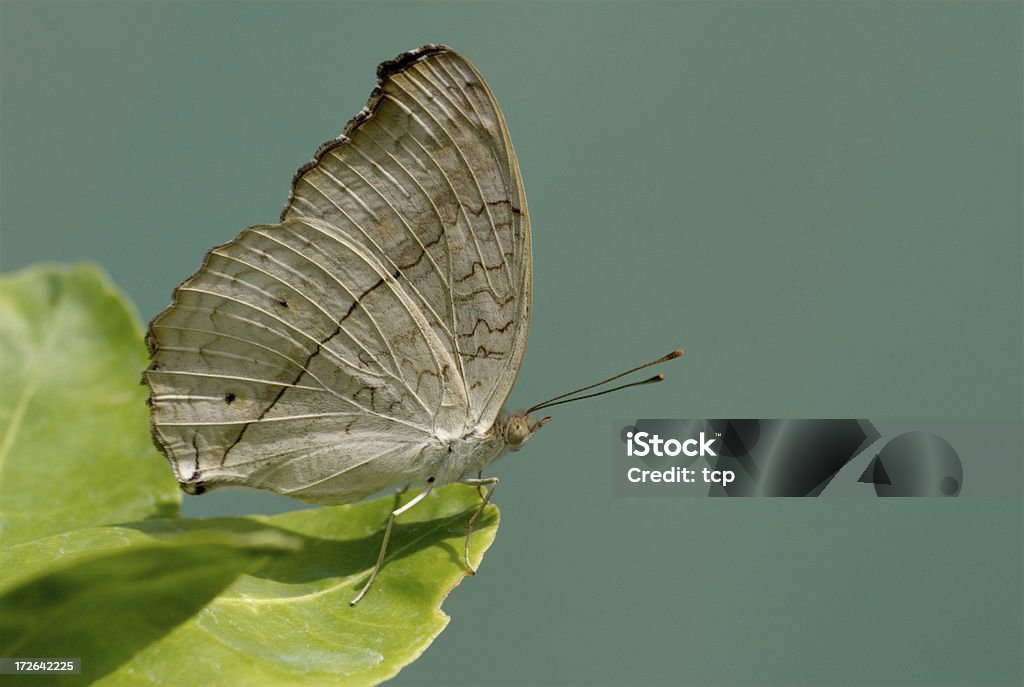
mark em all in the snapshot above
pixel 291 623
pixel 75 452
pixel 74 440
pixel 105 606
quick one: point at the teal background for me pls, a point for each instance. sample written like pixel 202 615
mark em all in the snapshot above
pixel 820 201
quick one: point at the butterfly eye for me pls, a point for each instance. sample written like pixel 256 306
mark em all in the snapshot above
pixel 517 431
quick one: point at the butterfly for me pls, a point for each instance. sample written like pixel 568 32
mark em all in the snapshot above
pixel 370 338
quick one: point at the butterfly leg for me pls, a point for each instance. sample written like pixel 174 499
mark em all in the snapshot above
pixel 398 495
pixel 479 483
pixel 387 535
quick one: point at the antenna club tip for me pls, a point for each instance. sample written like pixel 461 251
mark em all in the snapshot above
pixel 660 378
pixel 674 354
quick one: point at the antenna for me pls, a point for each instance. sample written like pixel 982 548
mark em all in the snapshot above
pixel 557 400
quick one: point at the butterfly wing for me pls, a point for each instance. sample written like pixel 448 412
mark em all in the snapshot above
pixel 425 178
pixel 292 359
pixel 327 357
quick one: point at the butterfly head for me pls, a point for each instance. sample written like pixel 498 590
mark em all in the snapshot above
pixel 519 427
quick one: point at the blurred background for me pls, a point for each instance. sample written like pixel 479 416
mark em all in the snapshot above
pixel 819 201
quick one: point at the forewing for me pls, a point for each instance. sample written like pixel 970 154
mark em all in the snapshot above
pixel 294 360
pixel 425 180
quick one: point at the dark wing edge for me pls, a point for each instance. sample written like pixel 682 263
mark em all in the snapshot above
pixel 384 71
